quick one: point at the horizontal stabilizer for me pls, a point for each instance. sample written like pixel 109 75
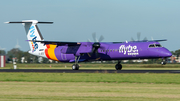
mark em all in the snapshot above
pixel 29 21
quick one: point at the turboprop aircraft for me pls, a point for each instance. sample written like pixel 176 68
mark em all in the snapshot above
pixel 90 51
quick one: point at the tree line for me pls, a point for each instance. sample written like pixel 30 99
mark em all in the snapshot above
pixel 18 54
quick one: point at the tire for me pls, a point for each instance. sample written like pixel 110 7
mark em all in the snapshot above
pixel 75 67
pixel 118 66
pixel 163 62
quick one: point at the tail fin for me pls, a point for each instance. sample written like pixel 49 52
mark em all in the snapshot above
pixel 33 33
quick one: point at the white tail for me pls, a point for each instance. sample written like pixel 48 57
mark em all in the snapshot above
pixel 33 33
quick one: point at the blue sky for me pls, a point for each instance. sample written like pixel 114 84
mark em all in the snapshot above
pixel 76 20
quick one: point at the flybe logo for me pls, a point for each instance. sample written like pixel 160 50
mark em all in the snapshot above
pixel 32 30
pixel 33 43
pixel 129 50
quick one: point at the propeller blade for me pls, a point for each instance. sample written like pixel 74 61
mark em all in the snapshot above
pixel 132 39
pixel 101 38
pixel 97 54
pixel 89 40
pixel 145 38
pixel 138 36
pixel 152 38
pixel 94 37
pixel 93 51
pixel 95 45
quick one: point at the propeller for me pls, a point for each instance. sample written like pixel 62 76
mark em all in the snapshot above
pixel 96 44
pixel 138 38
pixel 132 39
pixel 95 39
pixel 145 39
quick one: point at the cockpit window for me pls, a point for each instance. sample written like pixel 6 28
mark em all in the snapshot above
pixel 158 45
pixel 154 45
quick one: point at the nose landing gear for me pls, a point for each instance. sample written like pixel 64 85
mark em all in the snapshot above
pixel 164 61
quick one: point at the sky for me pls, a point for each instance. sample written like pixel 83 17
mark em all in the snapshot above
pixel 76 20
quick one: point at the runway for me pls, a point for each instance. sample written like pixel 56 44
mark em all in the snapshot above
pixel 88 71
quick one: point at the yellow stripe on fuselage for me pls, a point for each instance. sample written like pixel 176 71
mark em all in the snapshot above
pixel 51 52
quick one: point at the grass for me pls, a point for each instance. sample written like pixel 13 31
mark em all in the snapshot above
pixel 79 91
pixel 90 86
pixel 92 77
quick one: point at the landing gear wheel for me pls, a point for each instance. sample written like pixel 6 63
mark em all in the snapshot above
pixel 118 66
pixel 163 62
pixel 75 67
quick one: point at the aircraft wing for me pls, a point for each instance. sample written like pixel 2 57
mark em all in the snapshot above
pixel 150 40
pixel 57 42
pixel 160 40
pixel 154 40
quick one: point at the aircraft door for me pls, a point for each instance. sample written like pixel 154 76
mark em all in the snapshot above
pixel 63 56
pixel 63 53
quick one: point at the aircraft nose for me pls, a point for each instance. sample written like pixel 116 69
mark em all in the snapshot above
pixel 166 53
pixel 169 54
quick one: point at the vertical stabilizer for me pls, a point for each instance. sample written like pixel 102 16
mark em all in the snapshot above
pixel 33 33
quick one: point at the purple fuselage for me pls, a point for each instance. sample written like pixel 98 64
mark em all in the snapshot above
pixel 111 51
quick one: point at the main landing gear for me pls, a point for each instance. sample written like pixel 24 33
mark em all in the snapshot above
pixel 118 66
pixel 76 66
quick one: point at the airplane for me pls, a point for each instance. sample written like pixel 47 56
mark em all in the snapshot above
pixel 90 51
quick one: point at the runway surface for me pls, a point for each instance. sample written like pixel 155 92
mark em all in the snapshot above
pixel 88 71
